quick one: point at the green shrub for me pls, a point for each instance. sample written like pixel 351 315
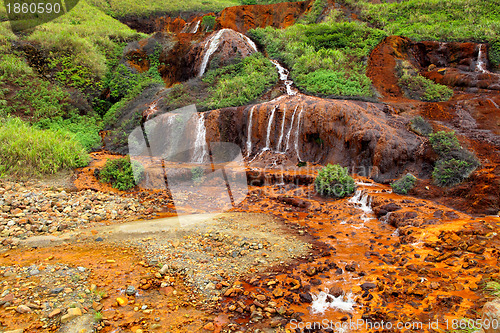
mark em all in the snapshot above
pixel 197 174
pixel 455 163
pixel 334 181
pixel 420 126
pixel 444 142
pixel 404 184
pixel 327 58
pixel 494 53
pixel 120 173
pixel 418 87
pixel 240 83
pixel 315 12
pixel 452 171
pixel 83 129
pixel 208 22
pixel 28 151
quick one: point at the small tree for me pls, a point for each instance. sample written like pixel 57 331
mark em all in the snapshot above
pixel 404 184
pixel 208 22
pixel 120 173
pixel 334 181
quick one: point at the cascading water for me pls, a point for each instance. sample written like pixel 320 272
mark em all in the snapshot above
pixel 196 27
pixel 297 134
pixel 283 72
pixel 249 131
pixel 493 102
pixel 282 130
pixel 213 44
pixel 362 200
pixel 324 301
pixel 269 125
pixel 290 129
pixel 200 144
pixel 481 60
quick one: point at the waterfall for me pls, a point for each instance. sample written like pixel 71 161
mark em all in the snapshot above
pixel 249 132
pixel 290 129
pixel 213 44
pixel 271 118
pixel 493 102
pixel 200 144
pixel 282 130
pixel 362 200
pixel 196 27
pixel 298 133
pixel 481 60
pixel 283 72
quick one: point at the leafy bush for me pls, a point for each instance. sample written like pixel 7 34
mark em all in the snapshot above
pixel 418 87
pixel 315 12
pixel 334 181
pixel 83 129
pixel 420 126
pixel 197 174
pixel 208 22
pixel 455 163
pixel 240 83
pixel 28 151
pixel 404 184
pixel 120 173
pixel 452 171
pixel 444 142
pixel 495 53
pixel 328 58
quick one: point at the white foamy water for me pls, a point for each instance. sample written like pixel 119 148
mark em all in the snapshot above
pixel 297 133
pixel 481 59
pixel 493 102
pixel 362 200
pixel 324 301
pixel 213 44
pixel 282 129
pixel 283 72
pixel 249 132
pixel 269 125
pixel 200 145
pixel 291 128
pixel 196 27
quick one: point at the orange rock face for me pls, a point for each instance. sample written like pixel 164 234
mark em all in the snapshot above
pixel 244 18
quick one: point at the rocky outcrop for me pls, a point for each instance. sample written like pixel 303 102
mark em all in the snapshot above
pixel 244 18
pixel 461 66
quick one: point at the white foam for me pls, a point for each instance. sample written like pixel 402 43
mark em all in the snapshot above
pixel 324 301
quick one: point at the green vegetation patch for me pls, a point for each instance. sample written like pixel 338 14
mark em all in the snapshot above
pixel 240 83
pixel 84 129
pixel 404 184
pixel 327 58
pixel 120 173
pixel 418 87
pixel 208 23
pixel 455 164
pixel 334 181
pixel 28 151
pixel 420 126
pixel 445 20
pixel 144 8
